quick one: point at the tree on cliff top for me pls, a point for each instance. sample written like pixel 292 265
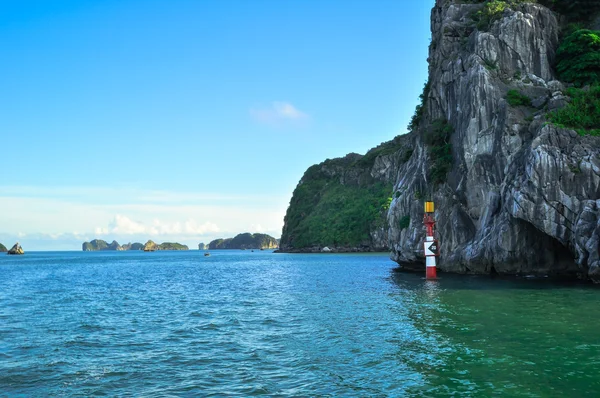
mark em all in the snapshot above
pixel 578 57
pixel 574 10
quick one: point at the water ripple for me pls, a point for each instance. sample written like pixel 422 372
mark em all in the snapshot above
pixel 249 324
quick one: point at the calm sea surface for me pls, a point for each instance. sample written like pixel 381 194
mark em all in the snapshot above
pixel 257 323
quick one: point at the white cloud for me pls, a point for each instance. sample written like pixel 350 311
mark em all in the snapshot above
pixel 122 225
pixel 278 114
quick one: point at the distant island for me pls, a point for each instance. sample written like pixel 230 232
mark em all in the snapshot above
pixel 150 246
pixel 3 248
pixel 245 241
pixel 202 246
pixel 16 249
pixel 101 245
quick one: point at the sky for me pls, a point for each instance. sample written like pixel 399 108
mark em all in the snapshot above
pixel 190 120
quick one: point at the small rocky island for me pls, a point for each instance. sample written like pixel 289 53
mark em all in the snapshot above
pixel 245 241
pixel 3 248
pixel 150 246
pixel 16 249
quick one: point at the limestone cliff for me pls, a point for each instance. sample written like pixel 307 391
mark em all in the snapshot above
pixel 515 193
pixel 521 196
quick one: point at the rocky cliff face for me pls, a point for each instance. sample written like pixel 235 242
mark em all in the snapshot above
pixel 522 196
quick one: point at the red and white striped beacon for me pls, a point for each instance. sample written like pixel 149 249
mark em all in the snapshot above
pixel 430 245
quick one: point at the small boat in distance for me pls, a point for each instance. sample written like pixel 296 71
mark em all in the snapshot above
pixel 206 254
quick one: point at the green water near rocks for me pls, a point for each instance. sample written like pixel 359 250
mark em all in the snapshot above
pixel 506 337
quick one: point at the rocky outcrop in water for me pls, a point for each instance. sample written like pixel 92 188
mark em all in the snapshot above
pixel 522 196
pixel 16 249
pixel 150 246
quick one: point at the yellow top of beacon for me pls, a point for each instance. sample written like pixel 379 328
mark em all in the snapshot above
pixel 428 207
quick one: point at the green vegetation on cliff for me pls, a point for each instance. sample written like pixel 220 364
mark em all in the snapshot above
pixel 415 121
pixel 516 98
pixel 582 113
pixel 574 10
pixel 172 246
pixel 329 213
pixel 245 241
pixel 578 57
pixel 578 62
pixel 325 212
pixel 95 245
pixel 219 244
pixel 151 246
pixel 3 248
pixel 437 139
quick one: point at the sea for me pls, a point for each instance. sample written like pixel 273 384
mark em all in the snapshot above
pixel 258 323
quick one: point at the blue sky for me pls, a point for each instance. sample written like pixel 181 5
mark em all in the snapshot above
pixel 190 120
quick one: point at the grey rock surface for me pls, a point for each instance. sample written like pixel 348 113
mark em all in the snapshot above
pixel 522 196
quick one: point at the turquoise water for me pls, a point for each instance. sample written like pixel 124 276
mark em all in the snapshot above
pixel 243 323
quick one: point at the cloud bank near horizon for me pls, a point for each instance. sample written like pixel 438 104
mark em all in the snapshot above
pixel 63 218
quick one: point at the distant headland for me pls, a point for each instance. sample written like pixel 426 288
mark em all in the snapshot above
pixel 101 245
pixel 243 241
